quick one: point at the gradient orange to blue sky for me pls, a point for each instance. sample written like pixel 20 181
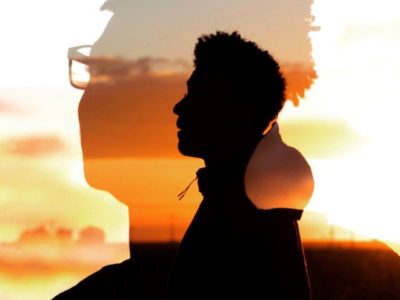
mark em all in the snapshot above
pixel 345 125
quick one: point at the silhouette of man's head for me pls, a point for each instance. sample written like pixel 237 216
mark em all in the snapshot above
pixel 234 93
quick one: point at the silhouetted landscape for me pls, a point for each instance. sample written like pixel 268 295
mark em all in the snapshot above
pixel 338 270
pixel 44 262
pixel 365 270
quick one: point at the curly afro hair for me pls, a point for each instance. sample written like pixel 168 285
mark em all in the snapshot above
pixel 256 75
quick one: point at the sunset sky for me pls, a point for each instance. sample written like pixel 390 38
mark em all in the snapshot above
pixel 346 125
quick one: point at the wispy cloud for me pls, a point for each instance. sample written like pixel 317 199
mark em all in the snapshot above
pixel 113 70
pixel 7 107
pixel 320 138
pixel 34 146
pixel 368 32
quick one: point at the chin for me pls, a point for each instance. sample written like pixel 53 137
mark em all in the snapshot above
pixel 99 174
pixel 91 176
pixel 189 150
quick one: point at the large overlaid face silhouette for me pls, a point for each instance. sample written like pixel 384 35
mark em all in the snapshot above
pixel 138 71
pixel 117 123
pixel 125 119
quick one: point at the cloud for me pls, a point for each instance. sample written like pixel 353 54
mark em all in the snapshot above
pixel 367 32
pixel 7 107
pixel 43 234
pixel 37 234
pixel 92 235
pixel 34 146
pixel 114 70
pixel 320 138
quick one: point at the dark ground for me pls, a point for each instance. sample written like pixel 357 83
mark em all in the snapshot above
pixel 336 272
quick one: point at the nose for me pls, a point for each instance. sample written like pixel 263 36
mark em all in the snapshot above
pixel 179 106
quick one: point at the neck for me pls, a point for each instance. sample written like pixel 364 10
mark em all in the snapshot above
pixel 232 154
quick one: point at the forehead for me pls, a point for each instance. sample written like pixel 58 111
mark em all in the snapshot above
pixel 209 78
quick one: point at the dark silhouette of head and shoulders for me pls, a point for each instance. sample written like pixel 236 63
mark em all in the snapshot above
pixel 228 118
pixel 235 246
pixel 234 94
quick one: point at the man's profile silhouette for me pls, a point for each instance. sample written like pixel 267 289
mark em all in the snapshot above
pixel 232 248
pixel 231 100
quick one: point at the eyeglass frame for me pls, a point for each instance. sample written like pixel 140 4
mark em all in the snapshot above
pixel 74 54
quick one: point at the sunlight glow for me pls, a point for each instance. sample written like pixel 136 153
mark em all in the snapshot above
pixel 76 175
pixel 34 59
pixel 356 56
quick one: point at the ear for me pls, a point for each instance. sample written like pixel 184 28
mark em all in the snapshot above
pixel 272 123
pixel 250 116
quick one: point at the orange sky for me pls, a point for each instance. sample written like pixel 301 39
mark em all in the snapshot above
pixel 39 111
pixel 41 176
pixel 345 125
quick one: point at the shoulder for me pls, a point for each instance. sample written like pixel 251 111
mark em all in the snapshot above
pixel 110 282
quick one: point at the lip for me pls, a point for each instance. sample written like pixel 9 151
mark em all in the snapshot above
pixel 179 124
pixel 183 128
